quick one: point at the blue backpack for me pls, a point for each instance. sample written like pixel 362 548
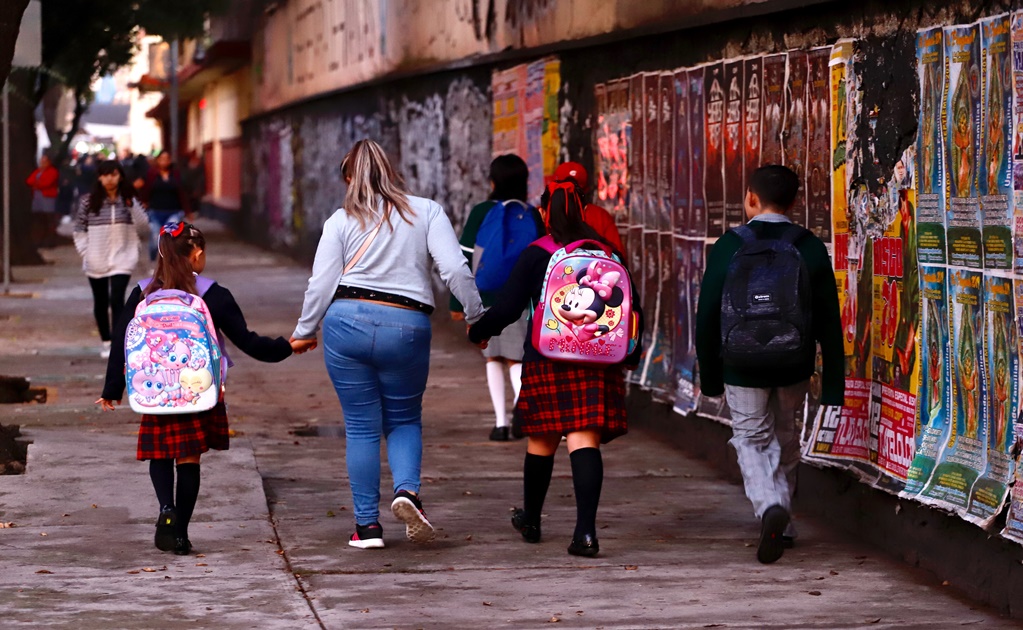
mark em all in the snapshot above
pixel 506 231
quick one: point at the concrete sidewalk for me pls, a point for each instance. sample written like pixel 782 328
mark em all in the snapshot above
pixel 274 513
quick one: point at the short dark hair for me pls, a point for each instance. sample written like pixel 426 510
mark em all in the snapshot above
pixel 511 178
pixel 776 185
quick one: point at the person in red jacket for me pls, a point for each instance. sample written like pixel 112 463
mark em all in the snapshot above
pixel 44 184
pixel 593 215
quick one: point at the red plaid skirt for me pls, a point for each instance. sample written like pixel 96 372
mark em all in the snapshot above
pixel 182 435
pixel 560 398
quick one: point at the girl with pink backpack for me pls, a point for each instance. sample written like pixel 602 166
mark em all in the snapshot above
pixel 580 397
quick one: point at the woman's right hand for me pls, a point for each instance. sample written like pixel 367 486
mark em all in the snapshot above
pixel 300 346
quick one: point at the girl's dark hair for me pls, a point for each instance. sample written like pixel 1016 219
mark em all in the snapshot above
pixel 564 216
pixel 511 178
pixel 99 193
pixel 173 268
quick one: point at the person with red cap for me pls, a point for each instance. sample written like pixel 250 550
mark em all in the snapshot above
pixel 596 217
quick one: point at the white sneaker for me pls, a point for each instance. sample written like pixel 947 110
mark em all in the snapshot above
pixel 105 352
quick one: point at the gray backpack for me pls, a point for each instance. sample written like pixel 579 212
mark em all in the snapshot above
pixel 765 304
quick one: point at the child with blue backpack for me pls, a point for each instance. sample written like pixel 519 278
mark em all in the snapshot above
pixel 181 437
pixel 584 400
pixel 495 234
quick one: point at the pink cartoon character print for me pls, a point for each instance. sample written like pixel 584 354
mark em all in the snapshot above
pixel 148 387
pixel 585 303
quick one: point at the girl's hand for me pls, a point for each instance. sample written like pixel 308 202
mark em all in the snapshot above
pixel 300 346
pixel 481 345
pixel 107 405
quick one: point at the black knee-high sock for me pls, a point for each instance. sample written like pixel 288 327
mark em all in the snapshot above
pixel 536 478
pixel 588 478
pixel 188 492
pixel 161 472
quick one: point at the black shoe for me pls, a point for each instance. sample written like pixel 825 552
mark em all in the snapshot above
pixel 772 525
pixel 530 533
pixel 788 542
pixel 408 509
pixel 499 434
pixel 165 524
pixel 182 547
pixel 367 536
pixel 516 425
pixel 586 546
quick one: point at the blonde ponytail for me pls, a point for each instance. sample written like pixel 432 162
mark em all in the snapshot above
pixel 370 179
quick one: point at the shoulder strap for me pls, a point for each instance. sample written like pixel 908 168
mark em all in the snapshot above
pixel 362 250
pixel 793 233
pixel 745 232
pixel 202 284
pixel 547 244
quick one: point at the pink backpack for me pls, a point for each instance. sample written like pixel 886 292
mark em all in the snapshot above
pixel 585 312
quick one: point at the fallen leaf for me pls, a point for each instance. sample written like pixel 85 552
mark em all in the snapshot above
pixel 200 555
pixel 878 620
pixel 553 620
pixel 820 578
pixel 94 505
pixel 815 593
pixel 833 572
pixel 631 567
pixel 469 537
pixel 364 610
pixel 279 552
pixel 43 534
pixel 44 571
pixel 166 577
pixel 579 612
pixel 149 569
pixel 6 525
pixel 488 604
pixel 330 513
pixel 65 515
pixel 133 572
pixel 201 564
pixel 468 493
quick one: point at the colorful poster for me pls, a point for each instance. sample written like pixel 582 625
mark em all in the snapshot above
pixel 1017 138
pixel 651 219
pixel 614 131
pixel 1014 523
pixel 508 87
pixel 752 113
pixel 962 144
pixel 1002 388
pixel 734 186
pixel 774 108
pixel 795 136
pixel 697 138
pixel 935 394
pixel 550 137
pixel 684 355
pixel 637 190
pixel 842 118
pixel 683 165
pixel 963 457
pixel 533 115
pixel 713 177
pixel 818 165
pixel 995 175
pixel 665 156
pixel 896 322
pixel 930 146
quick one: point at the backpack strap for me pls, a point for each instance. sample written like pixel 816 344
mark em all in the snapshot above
pixel 546 243
pixel 202 284
pixel 793 233
pixel 745 232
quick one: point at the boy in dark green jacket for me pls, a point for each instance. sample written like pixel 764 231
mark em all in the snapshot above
pixel 764 403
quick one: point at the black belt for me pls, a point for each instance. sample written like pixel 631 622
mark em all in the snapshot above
pixel 345 292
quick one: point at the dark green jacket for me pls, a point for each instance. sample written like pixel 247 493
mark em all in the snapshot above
pixel 468 243
pixel 827 325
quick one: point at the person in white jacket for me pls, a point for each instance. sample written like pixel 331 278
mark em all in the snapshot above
pixel 109 224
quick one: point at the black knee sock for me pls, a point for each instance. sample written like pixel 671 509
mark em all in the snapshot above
pixel 188 492
pixel 587 477
pixel 161 472
pixel 536 478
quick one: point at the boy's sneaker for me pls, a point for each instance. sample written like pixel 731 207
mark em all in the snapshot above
pixel 367 536
pixel 165 523
pixel 772 527
pixel 408 509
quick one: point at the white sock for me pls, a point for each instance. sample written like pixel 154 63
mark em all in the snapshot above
pixel 495 381
pixel 515 374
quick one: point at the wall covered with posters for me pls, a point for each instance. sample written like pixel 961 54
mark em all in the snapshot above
pixel 906 132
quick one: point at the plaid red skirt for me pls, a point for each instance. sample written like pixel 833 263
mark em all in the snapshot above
pixel 560 398
pixel 182 435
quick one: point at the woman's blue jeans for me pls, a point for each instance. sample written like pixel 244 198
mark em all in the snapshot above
pixel 378 358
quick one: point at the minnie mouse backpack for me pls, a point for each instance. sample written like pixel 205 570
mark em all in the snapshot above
pixel 585 314
pixel 173 358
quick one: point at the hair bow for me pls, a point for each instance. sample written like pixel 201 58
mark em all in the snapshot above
pixel 600 281
pixel 174 229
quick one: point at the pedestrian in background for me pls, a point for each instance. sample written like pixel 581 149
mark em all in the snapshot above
pixel 44 182
pixel 108 225
pixel 509 184
pixel 596 217
pixel 182 438
pixel 165 197
pixel 371 286
pixel 766 390
pixel 583 402
pixel 193 176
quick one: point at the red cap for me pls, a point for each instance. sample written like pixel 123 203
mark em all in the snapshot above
pixel 573 170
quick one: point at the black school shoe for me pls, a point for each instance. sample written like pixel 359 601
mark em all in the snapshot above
pixel 530 533
pixel 182 547
pixel 772 526
pixel 586 546
pixel 165 524
pixel 499 434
